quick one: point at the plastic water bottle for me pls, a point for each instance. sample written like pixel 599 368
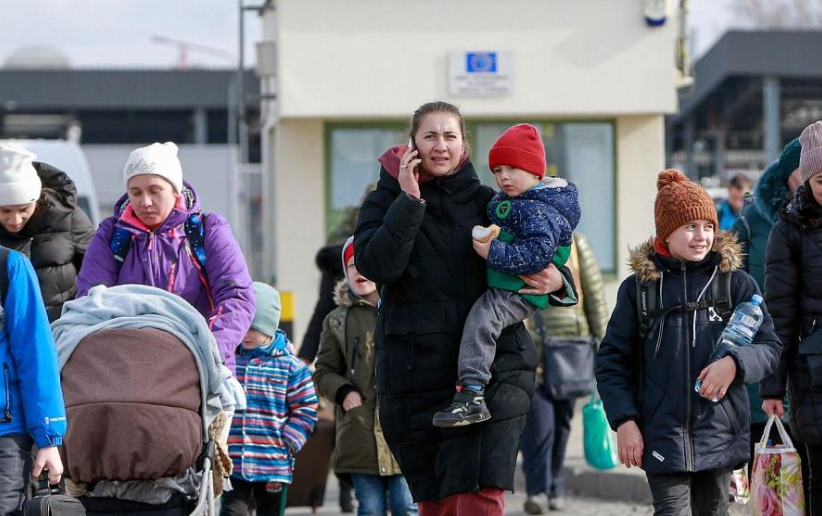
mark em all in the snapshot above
pixel 740 331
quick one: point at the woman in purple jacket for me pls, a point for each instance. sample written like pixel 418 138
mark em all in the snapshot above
pixel 152 239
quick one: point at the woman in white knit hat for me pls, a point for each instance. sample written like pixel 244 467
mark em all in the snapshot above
pixel 39 217
pixel 158 236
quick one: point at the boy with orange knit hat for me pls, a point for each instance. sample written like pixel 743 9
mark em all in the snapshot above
pixel 533 218
pixel 647 367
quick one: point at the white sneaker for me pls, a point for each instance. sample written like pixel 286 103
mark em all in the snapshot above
pixel 532 505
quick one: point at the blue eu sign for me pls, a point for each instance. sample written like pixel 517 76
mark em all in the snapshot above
pixel 481 62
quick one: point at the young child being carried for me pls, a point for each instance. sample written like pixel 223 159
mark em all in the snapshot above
pixel 533 218
pixel 279 417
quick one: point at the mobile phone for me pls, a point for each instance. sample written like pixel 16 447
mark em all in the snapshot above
pixel 411 145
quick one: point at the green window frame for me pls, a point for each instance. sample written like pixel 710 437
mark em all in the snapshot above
pixel 560 135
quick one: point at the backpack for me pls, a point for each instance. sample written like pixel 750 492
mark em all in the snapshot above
pixel 649 313
pixel 194 228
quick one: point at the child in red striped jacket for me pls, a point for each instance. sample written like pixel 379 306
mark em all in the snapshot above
pixel 280 415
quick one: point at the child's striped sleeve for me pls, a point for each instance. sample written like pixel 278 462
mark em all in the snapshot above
pixel 301 399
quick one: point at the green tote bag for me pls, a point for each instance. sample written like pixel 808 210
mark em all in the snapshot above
pixel 598 439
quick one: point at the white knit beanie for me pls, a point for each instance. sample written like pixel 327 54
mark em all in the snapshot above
pixel 19 182
pixel 810 159
pixel 158 159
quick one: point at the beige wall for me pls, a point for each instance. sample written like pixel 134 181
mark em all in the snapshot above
pixel 640 157
pixel 380 59
pixel 367 58
pixel 297 214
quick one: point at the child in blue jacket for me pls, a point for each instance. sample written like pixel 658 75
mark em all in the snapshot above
pixel 31 403
pixel 533 218
pixel 280 413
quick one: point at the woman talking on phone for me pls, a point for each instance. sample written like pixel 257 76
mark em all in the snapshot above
pixel 413 237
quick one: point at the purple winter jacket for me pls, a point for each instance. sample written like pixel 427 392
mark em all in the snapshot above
pixel 160 259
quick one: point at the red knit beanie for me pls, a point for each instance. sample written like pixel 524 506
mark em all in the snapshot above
pixel 519 147
pixel 347 251
pixel 679 201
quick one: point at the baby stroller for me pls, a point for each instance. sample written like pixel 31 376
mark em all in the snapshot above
pixel 141 377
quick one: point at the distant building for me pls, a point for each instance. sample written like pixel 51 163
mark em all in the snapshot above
pixel 111 111
pixel 754 92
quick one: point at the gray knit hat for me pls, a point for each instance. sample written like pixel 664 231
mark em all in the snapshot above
pixel 810 161
pixel 267 318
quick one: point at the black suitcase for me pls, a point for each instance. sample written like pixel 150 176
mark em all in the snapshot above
pixel 52 501
pixel 311 468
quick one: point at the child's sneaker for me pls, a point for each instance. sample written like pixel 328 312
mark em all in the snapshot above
pixel 467 408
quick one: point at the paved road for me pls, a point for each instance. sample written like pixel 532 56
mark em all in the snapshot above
pixel 574 506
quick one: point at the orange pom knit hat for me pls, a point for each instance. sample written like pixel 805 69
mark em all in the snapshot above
pixel 679 201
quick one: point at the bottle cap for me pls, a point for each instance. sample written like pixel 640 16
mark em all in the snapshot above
pixel 756 299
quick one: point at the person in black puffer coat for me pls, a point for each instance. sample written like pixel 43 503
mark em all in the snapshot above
pixel 793 290
pixel 413 237
pixel 687 444
pixel 39 217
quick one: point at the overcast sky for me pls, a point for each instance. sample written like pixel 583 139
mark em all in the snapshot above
pixel 118 33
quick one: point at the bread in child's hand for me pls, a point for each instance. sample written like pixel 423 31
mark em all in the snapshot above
pixel 483 234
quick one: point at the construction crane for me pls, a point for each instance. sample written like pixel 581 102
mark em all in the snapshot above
pixel 184 47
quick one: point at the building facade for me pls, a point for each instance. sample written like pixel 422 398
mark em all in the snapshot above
pixel 341 78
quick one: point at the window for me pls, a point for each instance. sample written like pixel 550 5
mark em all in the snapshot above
pixel 582 152
pixel 353 154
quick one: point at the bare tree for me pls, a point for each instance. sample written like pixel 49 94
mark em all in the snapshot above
pixel 781 14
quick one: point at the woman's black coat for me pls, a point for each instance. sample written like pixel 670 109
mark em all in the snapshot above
pixel 421 255
pixel 793 291
pixel 55 238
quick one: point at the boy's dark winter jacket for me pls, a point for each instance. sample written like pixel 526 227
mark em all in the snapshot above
pixel 421 254
pixel 682 432
pixel 793 290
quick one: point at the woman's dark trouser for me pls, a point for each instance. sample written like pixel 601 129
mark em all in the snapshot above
pixel 704 493
pixel 815 482
pixel 543 444
pixel 15 470
pixel 247 496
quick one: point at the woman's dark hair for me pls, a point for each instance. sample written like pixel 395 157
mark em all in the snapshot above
pixel 740 182
pixel 437 107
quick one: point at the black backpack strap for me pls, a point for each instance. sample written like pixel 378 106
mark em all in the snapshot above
pixel 540 326
pixel 646 306
pixel 4 274
pixel 721 295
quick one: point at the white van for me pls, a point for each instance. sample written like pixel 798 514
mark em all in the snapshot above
pixel 68 157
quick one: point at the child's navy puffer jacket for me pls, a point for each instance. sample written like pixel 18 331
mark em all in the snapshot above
pixel 682 432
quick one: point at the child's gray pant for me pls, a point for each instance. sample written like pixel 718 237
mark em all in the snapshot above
pixel 493 312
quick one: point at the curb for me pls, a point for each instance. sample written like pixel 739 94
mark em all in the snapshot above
pixel 608 485
pixel 618 484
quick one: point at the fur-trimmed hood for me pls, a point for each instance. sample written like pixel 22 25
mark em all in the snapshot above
pixel 344 297
pixel 771 192
pixel 642 259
